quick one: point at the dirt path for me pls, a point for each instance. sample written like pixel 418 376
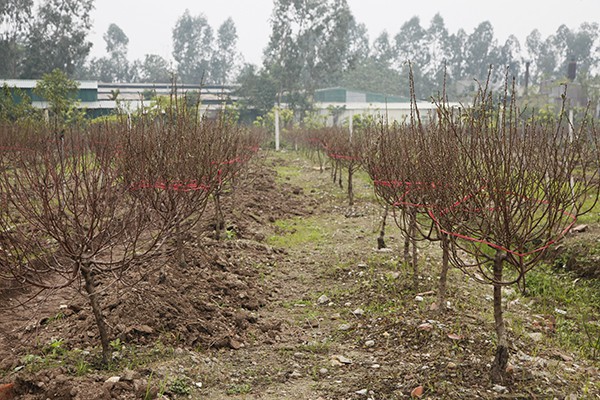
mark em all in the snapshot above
pixel 372 337
pixel 342 320
pixel 302 346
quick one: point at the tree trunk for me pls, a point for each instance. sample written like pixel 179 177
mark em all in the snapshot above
pixel 413 243
pixel 90 288
pixel 320 161
pixel 179 251
pixel 350 186
pixel 501 358
pixel 380 239
pixel 219 220
pixel 406 249
pixel 443 272
pixel 334 171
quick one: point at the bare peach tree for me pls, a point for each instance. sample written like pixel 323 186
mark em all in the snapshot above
pixel 310 142
pixel 178 160
pixel 235 146
pixel 69 218
pixel 90 206
pixel 393 160
pixel 344 152
pixel 412 167
pixel 170 163
pixel 522 186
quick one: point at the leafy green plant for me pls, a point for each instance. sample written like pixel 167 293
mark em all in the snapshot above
pixel 55 348
pixel 57 317
pixel 230 234
pixel 180 386
pixel 15 105
pixel 116 344
pixel 60 92
pixel 82 367
pixel 243 388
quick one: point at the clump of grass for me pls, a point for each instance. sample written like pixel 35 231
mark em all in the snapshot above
pixel 287 173
pixel 77 362
pixel 574 302
pixel 180 386
pixel 296 231
pixel 317 347
pixel 243 388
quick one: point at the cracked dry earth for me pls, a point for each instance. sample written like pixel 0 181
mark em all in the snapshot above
pixel 331 317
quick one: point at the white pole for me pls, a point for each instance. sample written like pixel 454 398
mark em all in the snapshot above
pixel 276 128
pixel 351 124
pixel 571 127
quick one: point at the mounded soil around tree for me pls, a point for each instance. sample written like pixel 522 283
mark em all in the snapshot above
pixel 294 302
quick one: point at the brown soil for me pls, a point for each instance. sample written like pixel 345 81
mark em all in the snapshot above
pixel 242 319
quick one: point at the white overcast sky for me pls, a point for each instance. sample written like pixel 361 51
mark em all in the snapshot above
pixel 149 23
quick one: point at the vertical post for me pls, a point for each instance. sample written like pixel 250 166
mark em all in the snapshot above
pixel 570 124
pixel 351 124
pixel 571 127
pixel 527 65
pixel 276 128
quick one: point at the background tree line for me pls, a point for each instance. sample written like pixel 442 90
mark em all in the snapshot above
pixel 200 55
pixel 319 43
pixel 313 44
pixel 35 41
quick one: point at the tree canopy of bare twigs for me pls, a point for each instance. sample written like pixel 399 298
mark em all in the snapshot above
pixel 522 186
pixel 496 189
pixel 69 217
pixel 90 205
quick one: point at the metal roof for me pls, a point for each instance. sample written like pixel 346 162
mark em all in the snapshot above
pixel 30 84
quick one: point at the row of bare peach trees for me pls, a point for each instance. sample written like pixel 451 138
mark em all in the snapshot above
pixel 336 146
pixel 83 209
pixel 495 190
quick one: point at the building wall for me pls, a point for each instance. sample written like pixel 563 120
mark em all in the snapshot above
pixel 98 99
pixel 343 95
pixel 356 97
pixel 88 90
pixel 333 95
pixel 399 112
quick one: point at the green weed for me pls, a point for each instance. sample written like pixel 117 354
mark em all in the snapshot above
pixel 116 344
pixel 180 386
pixel 57 317
pixel 574 302
pixel 243 388
pixel 82 367
pixel 296 231
pixel 54 348
pixel 317 347
pixel 286 173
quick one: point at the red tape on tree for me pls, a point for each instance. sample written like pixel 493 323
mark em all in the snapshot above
pixel 433 209
pixel 192 185
pixel 177 186
pixel 550 242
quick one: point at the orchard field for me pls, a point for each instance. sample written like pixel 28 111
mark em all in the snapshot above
pixel 177 257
